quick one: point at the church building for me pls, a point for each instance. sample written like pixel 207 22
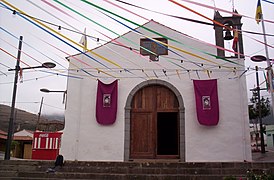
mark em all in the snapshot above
pixel 157 93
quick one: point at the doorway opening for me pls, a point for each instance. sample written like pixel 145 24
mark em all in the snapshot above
pixel 167 133
pixel 148 106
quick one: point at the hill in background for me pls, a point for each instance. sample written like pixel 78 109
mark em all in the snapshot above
pixel 28 121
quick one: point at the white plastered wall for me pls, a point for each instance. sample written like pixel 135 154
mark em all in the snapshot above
pixel 85 140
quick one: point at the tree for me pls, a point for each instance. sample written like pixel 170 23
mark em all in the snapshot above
pixel 254 107
pixel 254 112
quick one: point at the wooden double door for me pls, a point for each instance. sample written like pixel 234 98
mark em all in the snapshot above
pixel 154 124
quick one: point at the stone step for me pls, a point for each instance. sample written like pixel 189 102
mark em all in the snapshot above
pixel 130 170
pixel 137 169
pixel 106 175
pixel 103 176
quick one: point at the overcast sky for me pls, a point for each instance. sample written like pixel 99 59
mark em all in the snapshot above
pixel 40 46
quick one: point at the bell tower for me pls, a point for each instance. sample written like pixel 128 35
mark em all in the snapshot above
pixel 233 22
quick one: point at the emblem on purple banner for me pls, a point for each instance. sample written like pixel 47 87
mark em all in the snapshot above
pixel 206 102
pixel 106 100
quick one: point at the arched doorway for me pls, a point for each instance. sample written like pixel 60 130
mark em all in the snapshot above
pixel 154 117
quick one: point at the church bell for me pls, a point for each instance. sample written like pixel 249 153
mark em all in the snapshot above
pixel 228 35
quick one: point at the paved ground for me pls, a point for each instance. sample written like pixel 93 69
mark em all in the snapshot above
pixel 2 156
pixel 257 156
pixel 267 157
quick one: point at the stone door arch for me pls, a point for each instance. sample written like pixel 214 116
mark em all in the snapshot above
pixel 180 114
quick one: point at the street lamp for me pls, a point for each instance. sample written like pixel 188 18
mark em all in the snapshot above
pixel 258 89
pixel 45 90
pixel 44 65
pixel 11 121
pixel 49 91
pixel 261 58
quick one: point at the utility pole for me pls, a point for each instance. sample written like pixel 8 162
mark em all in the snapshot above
pixel 260 112
pixel 39 113
pixel 11 122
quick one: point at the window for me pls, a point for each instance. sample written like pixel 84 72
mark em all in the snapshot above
pixel 148 46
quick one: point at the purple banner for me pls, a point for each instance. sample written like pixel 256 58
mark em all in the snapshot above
pixel 207 103
pixel 106 102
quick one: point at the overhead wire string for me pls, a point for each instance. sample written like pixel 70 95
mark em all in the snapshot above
pixel 126 10
pixel 119 54
pixel 35 69
pixel 215 22
pixel 22 51
pixel 143 48
pixel 179 17
pixel 2 73
pixel 5 65
pixel 72 40
pixel 212 20
pixel 208 24
pixel 101 25
pixel 157 33
pixel 218 47
pixel 260 51
pixel 119 44
pixel 18 102
pixel 65 28
pixel 268 1
pixel 75 29
pixel 135 31
pixel 60 72
pixel 79 32
pixel 115 43
pixel 81 61
pixel 53 106
pixel 40 26
pixel 71 9
pixel 80 14
pixel 30 47
pixel 153 40
pixel 48 3
pixel 193 20
pixel 32 58
pixel 14 57
pixel 201 41
pixel 30 79
pixel 222 10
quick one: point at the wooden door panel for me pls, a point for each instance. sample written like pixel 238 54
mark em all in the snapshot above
pixel 166 99
pixel 146 103
pixel 144 99
pixel 141 142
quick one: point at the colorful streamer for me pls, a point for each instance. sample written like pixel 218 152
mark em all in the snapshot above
pixel 98 7
pixel 49 31
pixel 222 10
pixel 56 32
pixel 48 3
pixel 6 31
pixel 14 57
pixel 268 1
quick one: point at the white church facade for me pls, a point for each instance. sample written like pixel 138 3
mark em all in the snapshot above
pixel 156 114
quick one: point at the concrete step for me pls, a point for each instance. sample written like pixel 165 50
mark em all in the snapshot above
pixel 130 170
pixel 103 176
